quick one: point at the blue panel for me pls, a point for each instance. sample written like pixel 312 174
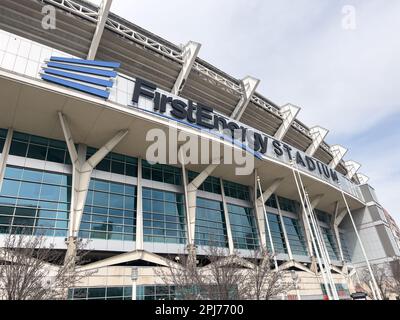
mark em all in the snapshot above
pixel 104 73
pixel 100 93
pixel 78 77
pixel 105 64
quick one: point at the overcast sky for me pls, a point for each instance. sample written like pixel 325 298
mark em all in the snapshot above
pixel 347 81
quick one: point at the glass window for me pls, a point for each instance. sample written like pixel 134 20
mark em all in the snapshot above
pixel 21 198
pixel 25 145
pixel 3 136
pixel 116 163
pixel 106 205
pixel 278 237
pixel 162 173
pixel 210 224
pixel 164 216
pixel 287 204
pixel 244 230
pixel 211 184
pixel 330 243
pixel 235 190
pixel 295 236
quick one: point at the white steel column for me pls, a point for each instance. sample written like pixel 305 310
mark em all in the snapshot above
pixel 249 85
pixel 4 155
pixel 338 153
pixel 81 174
pixel 289 113
pixel 101 23
pixel 318 135
pixel 189 53
pixel 289 249
pixel 139 208
pixel 227 219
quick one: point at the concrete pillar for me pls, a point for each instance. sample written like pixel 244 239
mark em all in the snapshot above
pixel 191 196
pixel 227 219
pixel 4 155
pixel 81 173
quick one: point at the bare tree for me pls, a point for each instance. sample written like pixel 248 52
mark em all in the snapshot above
pixel 395 281
pixel 383 277
pixel 224 276
pixel 264 280
pixel 183 273
pixel 31 269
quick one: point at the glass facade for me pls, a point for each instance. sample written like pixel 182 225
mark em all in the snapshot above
pixel 36 202
pixel 330 243
pixel 110 211
pixel 295 236
pixel 34 147
pixel 103 293
pixel 243 225
pixel 235 190
pixel 271 202
pixel 211 184
pixel 155 293
pixel 162 173
pixel 3 136
pixel 116 163
pixel 345 249
pixel 164 217
pixel 277 234
pixel 287 205
pixel 210 224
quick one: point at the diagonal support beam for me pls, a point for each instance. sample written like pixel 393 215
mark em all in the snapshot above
pixel 81 174
pixel 4 155
pixel 352 168
pixel 340 216
pixel 126 257
pixel 289 113
pixel 318 135
pixel 260 216
pixel 271 190
pixel 190 53
pixel 335 227
pixel 338 153
pixel 101 23
pixel 249 85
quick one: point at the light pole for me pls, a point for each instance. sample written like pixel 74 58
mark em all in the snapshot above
pixel 134 277
pixel 295 278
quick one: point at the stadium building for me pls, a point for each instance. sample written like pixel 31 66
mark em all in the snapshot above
pixel 77 102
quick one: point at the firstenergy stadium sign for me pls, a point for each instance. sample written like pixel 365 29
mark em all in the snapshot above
pixel 204 117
